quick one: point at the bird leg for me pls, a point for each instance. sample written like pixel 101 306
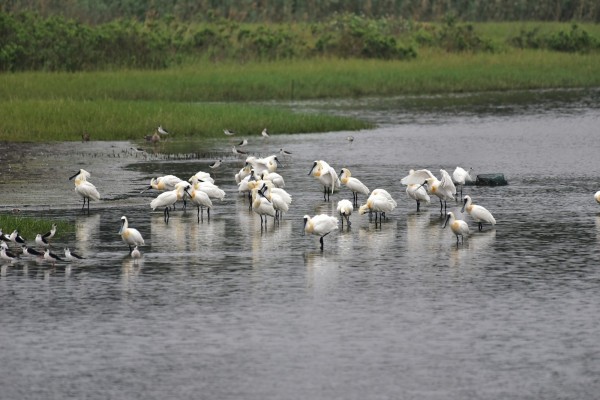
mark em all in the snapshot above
pixel 321 240
pixel 198 214
pixel 418 205
pixel 347 220
pixel 480 226
pixel 166 214
pixel 324 193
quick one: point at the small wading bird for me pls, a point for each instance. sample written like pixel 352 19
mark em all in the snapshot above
pixel 320 225
pixel 460 177
pixel 16 238
pixel 458 227
pixel 84 188
pixel 344 208
pixel 327 176
pixel 53 258
pixel 162 131
pixel 28 251
pixel 350 139
pixel 216 164
pixel 264 133
pixel 131 236
pixel 6 254
pixel 237 151
pixel 478 213
pixel 50 234
pixel 353 184
pixel 41 241
pixel 70 256
pixel 228 132
pixel 284 153
pixel 243 143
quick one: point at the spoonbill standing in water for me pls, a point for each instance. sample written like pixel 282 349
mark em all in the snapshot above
pixel 262 206
pixel 460 177
pixel 131 236
pixel 478 213
pixel 327 176
pixel 380 201
pixel 168 199
pixel 418 193
pixel 344 208
pixel 444 189
pixel 320 225
pixel 458 226
pixel 200 199
pixel 84 188
pixel 353 184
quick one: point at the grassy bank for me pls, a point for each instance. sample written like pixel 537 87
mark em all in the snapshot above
pixel 29 227
pixel 130 104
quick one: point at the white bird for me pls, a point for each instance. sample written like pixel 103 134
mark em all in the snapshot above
pixel 51 233
pixel 162 131
pixel 244 172
pixel 274 177
pixel 278 197
pixel 344 208
pixel 418 193
pixel 378 203
pixel 353 184
pixel 458 226
pixel 228 132
pixel 460 177
pixel 200 199
pixel 41 241
pixel 136 254
pixel 259 165
pixel 597 197
pixel 264 133
pixel 70 256
pixel 243 143
pixel 131 236
pixel 212 190
pixel 84 188
pixel 444 189
pixel 48 256
pixel 163 183
pixel 168 198
pixel 262 206
pixel 327 176
pixel 350 139
pixel 320 225
pixel 215 164
pixel 478 213
pixel 203 176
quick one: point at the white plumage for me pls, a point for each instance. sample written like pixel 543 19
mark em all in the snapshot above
pixel 200 199
pixel 327 176
pixel 131 236
pixel 320 225
pixel 262 206
pixel 418 193
pixel 353 184
pixel 478 213
pixel 458 226
pixel 444 189
pixel 344 209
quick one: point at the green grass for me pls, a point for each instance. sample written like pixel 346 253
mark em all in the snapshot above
pixel 202 99
pixel 29 227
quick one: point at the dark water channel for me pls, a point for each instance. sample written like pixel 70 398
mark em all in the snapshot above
pixel 223 310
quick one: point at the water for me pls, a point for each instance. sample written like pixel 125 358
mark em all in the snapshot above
pixel 222 310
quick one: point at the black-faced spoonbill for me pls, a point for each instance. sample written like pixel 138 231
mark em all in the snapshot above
pixel 460 176
pixel 444 189
pixel 320 225
pixel 380 202
pixel 200 199
pixel 597 197
pixel 327 176
pixel 458 226
pixel 262 206
pixel 84 188
pixel 168 199
pixel 418 193
pixel 131 236
pixel 478 213
pixel 353 184
pixel 344 208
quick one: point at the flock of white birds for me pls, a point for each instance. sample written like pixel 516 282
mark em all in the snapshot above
pixel 259 180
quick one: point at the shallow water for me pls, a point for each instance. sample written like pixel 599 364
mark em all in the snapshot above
pixel 221 309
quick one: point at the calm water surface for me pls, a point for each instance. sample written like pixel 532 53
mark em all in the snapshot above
pixel 224 310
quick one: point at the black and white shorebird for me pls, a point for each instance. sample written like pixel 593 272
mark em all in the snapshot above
pixel 216 164
pixel 238 152
pixel 53 258
pixel 285 153
pixel 15 237
pixel 70 256
pixel 265 133
pixel 50 234
pixel 350 139
pixel 41 241
pixel 161 130
pixel 243 143
pixel 28 251
pixel 4 237
pixel 6 254
pixel 228 132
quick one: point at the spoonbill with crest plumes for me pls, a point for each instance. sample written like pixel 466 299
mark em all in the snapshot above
pixel 460 176
pixel 131 236
pixel 353 184
pixel 444 189
pixel 479 214
pixel 344 208
pixel 327 176
pixel 84 188
pixel 163 183
pixel 458 226
pixel 320 225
